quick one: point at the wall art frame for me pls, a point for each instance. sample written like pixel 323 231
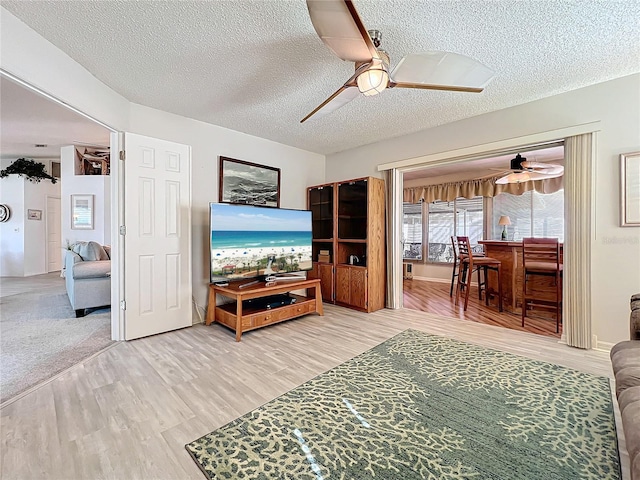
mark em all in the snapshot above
pixel 82 212
pixel 34 214
pixel 630 189
pixel 248 183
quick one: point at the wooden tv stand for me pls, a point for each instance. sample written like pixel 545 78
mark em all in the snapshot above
pixel 233 316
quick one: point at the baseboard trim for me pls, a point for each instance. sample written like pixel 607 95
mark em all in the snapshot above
pixel 603 346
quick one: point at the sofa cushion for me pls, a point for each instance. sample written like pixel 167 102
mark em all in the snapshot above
pixel 630 422
pixel 624 345
pixel 97 269
pixel 90 251
pixel 626 378
pixel 629 396
pixel 107 250
pixel 626 357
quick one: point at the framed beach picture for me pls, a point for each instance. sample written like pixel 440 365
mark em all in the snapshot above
pixel 82 212
pixel 248 183
pixel 630 189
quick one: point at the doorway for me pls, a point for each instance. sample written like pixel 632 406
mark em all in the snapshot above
pixel 428 227
pixel 53 234
pixel 41 335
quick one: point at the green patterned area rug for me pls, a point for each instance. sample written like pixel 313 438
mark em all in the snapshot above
pixel 425 407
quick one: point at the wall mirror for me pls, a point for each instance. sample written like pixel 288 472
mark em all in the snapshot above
pixel 630 189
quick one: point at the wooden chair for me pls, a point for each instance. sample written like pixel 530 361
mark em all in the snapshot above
pixel 468 263
pixel 541 256
pixel 456 267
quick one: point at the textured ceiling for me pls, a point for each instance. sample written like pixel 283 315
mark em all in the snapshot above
pixel 28 119
pixel 489 166
pixel 258 66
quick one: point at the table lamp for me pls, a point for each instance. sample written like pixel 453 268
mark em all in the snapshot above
pixel 504 221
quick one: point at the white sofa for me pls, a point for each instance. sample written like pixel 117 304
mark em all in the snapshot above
pixel 88 276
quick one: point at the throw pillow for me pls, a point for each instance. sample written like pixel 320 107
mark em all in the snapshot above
pixel 90 251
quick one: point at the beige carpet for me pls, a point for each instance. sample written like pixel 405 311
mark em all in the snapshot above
pixel 40 337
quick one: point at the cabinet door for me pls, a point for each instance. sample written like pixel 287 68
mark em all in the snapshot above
pixel 351 286
pixel 352 210
pixel 325 274
pixel 343 290
pixel 323 271
pixel 358 287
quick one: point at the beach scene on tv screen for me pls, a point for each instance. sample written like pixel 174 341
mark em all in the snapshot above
pixel 250 241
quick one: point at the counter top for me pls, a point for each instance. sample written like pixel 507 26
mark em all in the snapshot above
pixel 504 243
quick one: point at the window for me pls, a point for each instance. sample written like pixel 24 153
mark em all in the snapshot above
pixel 460 217
pixel 412 231
pixel 532 214
pixel 439 221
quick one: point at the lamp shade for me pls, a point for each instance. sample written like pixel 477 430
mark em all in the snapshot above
pixel 373 81
pixel 504 220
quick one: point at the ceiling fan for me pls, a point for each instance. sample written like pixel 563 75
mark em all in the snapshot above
pixel 522 170
pixel 340 27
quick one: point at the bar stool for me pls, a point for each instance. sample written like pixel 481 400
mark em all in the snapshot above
pixel 456 267
pixel 541 256
pixel 468 263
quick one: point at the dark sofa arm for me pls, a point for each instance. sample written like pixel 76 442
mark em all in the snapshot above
pixel 635 317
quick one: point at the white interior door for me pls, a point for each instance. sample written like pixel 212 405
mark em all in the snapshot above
pixel 157 242
pixel 54 235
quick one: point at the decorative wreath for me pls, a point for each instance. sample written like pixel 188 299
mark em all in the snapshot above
pixel 5 212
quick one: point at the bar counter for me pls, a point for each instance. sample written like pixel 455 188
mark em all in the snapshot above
pixel 510 255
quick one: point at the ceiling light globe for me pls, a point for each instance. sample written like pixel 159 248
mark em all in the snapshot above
pixel 373 81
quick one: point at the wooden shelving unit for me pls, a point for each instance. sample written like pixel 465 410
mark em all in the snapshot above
pixel 354 231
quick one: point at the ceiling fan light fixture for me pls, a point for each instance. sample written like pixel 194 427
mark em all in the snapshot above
pixel 373 81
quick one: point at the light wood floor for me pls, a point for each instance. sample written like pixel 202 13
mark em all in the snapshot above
pixel 434 297
pixel 127 413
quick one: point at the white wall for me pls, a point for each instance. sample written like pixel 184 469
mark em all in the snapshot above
pixel 299 169
pixel 616 104
pixel 96 185
pixel 23 242
pixel 12 231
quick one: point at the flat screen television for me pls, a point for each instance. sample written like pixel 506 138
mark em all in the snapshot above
pixel 249 242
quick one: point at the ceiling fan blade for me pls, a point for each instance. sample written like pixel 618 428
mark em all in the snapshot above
pixel 341 97
pixel 441 71
pixel 339 26
pixel 545 168
pixel 426 86
pixel 521 177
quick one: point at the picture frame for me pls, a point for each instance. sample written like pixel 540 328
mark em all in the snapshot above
pixel 34 214
pixel 82 212
pixel 630 189
pixel 248 183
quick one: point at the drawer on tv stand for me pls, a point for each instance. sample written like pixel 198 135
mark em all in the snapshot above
pixel 281 313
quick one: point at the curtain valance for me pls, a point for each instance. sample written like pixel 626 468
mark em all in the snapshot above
pixel 487 187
